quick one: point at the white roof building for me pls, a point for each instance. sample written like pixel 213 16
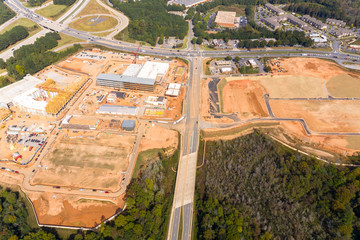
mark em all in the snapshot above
pixel 132 70
pixel 252 63
pixel 226 69
pixel 153 69
pixel 27 102
pixel 8 93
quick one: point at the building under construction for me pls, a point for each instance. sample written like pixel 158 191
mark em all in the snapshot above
pixel 136 77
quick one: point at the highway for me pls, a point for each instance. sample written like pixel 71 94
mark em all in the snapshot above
pixel 183 202
pixel 185 53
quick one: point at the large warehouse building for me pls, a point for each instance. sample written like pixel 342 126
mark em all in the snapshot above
pixel 136 77
pixel 225 19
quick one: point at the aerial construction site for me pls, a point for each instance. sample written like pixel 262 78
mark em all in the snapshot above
pixel 71 133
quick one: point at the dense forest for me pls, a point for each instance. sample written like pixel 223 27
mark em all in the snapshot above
pixel 148 207
pixel 64 2
pixel 31 58
pixel 12 36
pixel 254 188
pixel 5 13
pixel 149 19
pixel 346 10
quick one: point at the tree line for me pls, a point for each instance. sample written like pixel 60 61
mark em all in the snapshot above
pixel 5 13
pixel 348 11
pixel 12 36
pixel 31 58
pixel 149 19
pixel 255 188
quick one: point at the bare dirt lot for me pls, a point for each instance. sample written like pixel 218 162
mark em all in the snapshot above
pixel 344 85
pixel 321 116
pixel 158 137
pixel 311 67
pixel 72 210
pixel 86 161
pixel 244 97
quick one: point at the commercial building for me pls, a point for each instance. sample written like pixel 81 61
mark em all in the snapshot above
pixel 226 70
pixel 274 9
pixel 313 21
pixel 225 19
pixel 223 62
pixel 336 22
pixel 8 93
pixel 252 63
pixel 118 110
pixel 128 125
pixel 136 77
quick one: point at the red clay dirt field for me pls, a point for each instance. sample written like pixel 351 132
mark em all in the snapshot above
pixel 320 92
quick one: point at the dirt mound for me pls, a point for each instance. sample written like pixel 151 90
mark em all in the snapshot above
pixel 71 210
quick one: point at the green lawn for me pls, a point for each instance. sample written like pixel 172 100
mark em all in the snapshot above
pixel 84 24
pixel 52 11
pixel 30 26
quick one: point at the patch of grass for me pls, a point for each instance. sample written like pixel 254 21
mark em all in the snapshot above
pixel 207 48
pixel 30 26
pixel 52 11
pixel 66 39
pixel 185 44
pixel 93 8
pixel 65 233
pixel 84 24
pixel 103 34
pixel 236 130
pixel 220 87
